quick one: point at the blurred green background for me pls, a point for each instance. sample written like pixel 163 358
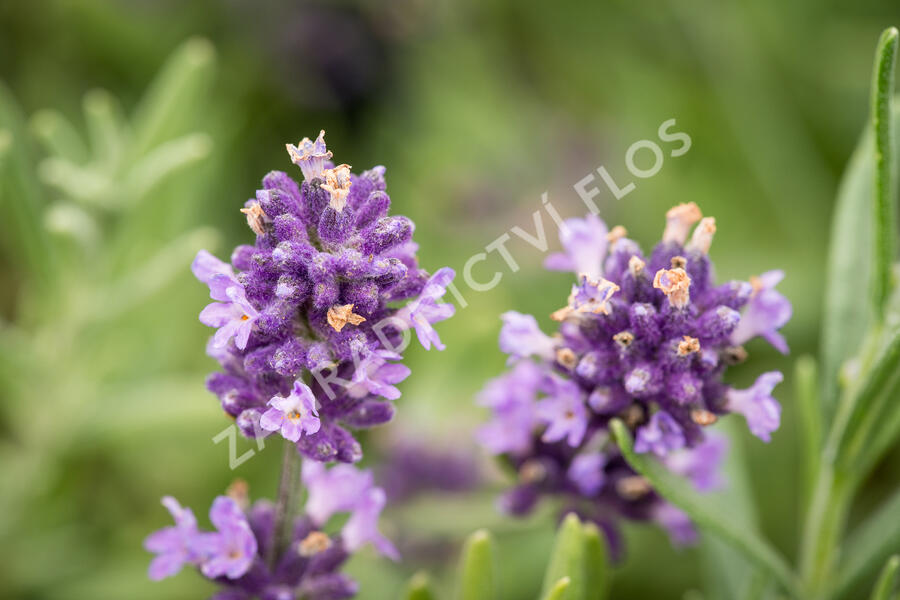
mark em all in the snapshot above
pixel 476 108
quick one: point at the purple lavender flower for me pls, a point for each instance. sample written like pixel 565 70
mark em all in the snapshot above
pixel 294 416
pixel 645 339
pixel 229 552
pixel 766 312
pixel 174 546
pixel 521 337
pixel 512 398
pixel 762 411
pixel 330 288
pixel 344 488
pixel 235 556
pixel 375 375
pixel 362 526
pixel 661 435
pixel 585 243
pixel 564 412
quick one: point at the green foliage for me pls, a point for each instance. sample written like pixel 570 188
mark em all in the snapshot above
pixel 706 511
pixel 887 581
pixel 577 568
pixel 477 579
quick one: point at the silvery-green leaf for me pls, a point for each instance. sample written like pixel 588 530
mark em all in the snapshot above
pixel 708 512
pixel 561 590
pixel 478 580
pixel 867 547
pixel 567 559
pixel 596 566
pixel 885 212
pixel 419 588
pixel 884 587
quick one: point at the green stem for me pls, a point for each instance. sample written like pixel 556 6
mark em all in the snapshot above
pixel 289 489
pixel 824 528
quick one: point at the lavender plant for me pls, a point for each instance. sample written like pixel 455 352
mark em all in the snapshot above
pixel 611 412
pixel 311 322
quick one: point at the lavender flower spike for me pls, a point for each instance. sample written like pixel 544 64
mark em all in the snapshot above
pixel 647 339
pixel 325 295
pixel 362 527
pixel 294 416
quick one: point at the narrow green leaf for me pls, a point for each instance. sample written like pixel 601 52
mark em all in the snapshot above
pixel 561 590
pixel 705 511
pixel 810 409
pixel 887 580
pixel 162 161
pixel 419 588
pixel 727 573
pixel 105 125
pixel 21 200
pixel 596 565
pixel 174 97
pixel 478 580
pixel 58 136
pixel 867 547
pixel 885 226
pixel 864 409
pixel 567 559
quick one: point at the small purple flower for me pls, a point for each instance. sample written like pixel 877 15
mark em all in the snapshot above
pixel 174 546
pixel 333 490
pixel 206 266
pixel 362 526
pixel 295 415
pixel 310 156
pixel 375 375
pixel 762 411
pixel 232 549
pixel 233 314
pixel 584 243
pixel 701 463
pixel 677 524
pixel 661 435
pixel 512 398
pixel 425 310
pixel 564 412
pixel 521 337
pixel 767 312
pixel 586 472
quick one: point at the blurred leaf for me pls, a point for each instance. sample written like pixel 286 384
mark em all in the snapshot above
pixel 561 590
pixel 478 580
pixel 863 409
pixel 868 546
pixel 884 587
pixel 174 97
pixel 596 567
pixel 885 226
pixel 419 588
pixel 728 574
pixel 847 318
pixel 705 511
pixel 164 160
pixel 810 412
pixel 58 136
pixel 106 129
pixel 567 559
pixel 21 200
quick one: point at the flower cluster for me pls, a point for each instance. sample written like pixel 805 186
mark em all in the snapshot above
pixel 242 557
pixel 643 339
pixel 311 319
